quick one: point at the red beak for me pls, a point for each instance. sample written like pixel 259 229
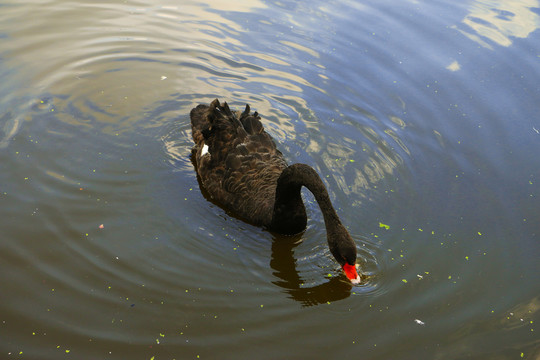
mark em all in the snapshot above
pixel 352 274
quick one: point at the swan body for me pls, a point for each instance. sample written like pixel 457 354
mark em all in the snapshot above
pixel 242 170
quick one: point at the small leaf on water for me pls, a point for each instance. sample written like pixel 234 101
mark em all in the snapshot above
pixel 384 226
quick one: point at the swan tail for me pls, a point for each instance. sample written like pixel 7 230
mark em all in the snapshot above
pixel 208 120
pixel 219 131
pixel 251 122
pixel 199 123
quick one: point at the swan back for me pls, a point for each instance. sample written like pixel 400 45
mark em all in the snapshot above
pixel 237 160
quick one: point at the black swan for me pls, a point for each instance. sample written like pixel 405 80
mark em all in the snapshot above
pixel 243 171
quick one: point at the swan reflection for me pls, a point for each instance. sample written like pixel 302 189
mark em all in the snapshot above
pixel 283 263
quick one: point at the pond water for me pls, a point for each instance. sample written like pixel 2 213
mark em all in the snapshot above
pixel 421 117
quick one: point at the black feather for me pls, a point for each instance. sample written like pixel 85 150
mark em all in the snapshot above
pixel 245 173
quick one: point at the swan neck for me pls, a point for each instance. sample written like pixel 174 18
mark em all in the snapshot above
pixel 290 183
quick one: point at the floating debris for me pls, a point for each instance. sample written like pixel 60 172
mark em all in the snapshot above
pixel 384 226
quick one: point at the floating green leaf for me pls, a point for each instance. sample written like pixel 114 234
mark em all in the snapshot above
pixel 384 226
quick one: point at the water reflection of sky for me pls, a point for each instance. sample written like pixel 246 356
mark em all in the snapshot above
pixel 499 21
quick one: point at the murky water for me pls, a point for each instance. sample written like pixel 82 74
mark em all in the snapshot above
pixel 421 117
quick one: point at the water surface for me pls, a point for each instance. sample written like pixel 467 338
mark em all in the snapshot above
pixel 421 117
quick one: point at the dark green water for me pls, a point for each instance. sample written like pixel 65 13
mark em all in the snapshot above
pixel 421 117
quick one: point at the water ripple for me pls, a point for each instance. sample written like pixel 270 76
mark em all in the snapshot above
pixel 110 248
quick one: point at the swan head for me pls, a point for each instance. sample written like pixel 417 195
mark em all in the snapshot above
pixel 343 248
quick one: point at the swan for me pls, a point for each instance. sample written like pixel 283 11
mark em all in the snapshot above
pixel 242 171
